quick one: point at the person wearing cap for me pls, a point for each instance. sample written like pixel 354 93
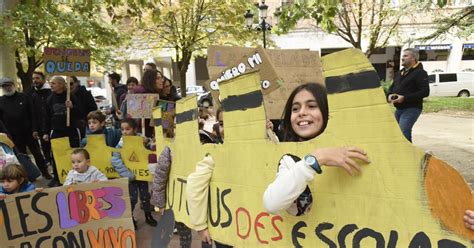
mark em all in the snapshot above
pixel 17 113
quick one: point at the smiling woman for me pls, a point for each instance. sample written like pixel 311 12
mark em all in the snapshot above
pixel 305 117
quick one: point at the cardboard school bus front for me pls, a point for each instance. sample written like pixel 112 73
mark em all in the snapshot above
pixel 403 198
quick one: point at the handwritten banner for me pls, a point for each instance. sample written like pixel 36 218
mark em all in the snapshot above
pixel 141 105
pixel 67 61
pixel 281 70
pixel 86 215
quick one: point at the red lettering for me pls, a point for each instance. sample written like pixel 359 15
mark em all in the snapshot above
pixel 82 209
pixel 237 222
pixel 280 236
pixel 260 225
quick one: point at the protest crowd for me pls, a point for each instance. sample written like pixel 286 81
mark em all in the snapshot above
pixel 29 120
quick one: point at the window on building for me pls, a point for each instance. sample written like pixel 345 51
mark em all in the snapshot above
pixel 468 52
pixel 379 50
pixel 434 52
pixel 448 77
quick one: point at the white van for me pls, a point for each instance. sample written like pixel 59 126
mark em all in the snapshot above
pixel 451 84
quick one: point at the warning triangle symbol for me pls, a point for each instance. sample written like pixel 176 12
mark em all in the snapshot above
pixel 133 158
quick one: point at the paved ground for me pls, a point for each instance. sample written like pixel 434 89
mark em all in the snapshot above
pixel 449 136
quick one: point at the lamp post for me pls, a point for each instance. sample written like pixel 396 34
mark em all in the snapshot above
pixel 262 25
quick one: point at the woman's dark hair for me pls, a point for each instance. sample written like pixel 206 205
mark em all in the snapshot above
pixel 132 80
pixel 173 96
pixel 149 81
pixel 115 76
pixel 319 92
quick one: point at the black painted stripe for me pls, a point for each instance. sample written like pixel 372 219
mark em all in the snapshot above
pixel 352 81
pixel 186 116
pixel 189 115
pixel 249 100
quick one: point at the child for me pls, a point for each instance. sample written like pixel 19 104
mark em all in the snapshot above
pixel 305 117
pixel 96 125
pixel 129 128
pixel 15 180
pixel 82 171
pixel 132 82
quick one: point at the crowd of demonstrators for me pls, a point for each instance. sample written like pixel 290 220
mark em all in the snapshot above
pixel 86 104
pixel 18 115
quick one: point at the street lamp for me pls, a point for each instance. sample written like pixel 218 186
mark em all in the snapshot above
pixel 263 25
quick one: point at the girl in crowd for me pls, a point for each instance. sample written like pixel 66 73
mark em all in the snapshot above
pixel 152 83
pixel 15 180
pixel 169 92
pixel 132 82
pixel 305 117
pixel 82 171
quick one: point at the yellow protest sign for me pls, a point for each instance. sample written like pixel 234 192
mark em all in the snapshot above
pixel 133 154
pixel 84 215
pixel 404 198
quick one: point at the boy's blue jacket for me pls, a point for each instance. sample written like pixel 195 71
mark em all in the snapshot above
pixel 119 166
pixel 28 187
pixel 112 136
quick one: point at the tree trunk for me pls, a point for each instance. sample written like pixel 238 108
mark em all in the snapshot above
pixel 25 76
pixel 183 65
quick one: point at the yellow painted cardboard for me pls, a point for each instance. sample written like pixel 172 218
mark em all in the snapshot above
pixel 133 153
pixel 386 206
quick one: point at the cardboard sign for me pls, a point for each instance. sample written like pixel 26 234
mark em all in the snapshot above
pixel 83 215
pixel 141 105
pixel 291 68
pixel 168 114
pixel 402 198
pixel 67 61
pixel 133 154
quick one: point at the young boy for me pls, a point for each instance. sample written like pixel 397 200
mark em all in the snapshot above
pixel 129 128
pixel 82 171
pixel 96 125
pixel 15 180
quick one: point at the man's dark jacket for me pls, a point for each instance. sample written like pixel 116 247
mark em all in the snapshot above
pixel 17 113
pixel 39 97
pixel 413 84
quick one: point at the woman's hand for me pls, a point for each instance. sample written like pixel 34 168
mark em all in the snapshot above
pixel 469 219
pixel 3 196
pixel 269 124
pixel 342 157
pixel 205 236
pixel 69 104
